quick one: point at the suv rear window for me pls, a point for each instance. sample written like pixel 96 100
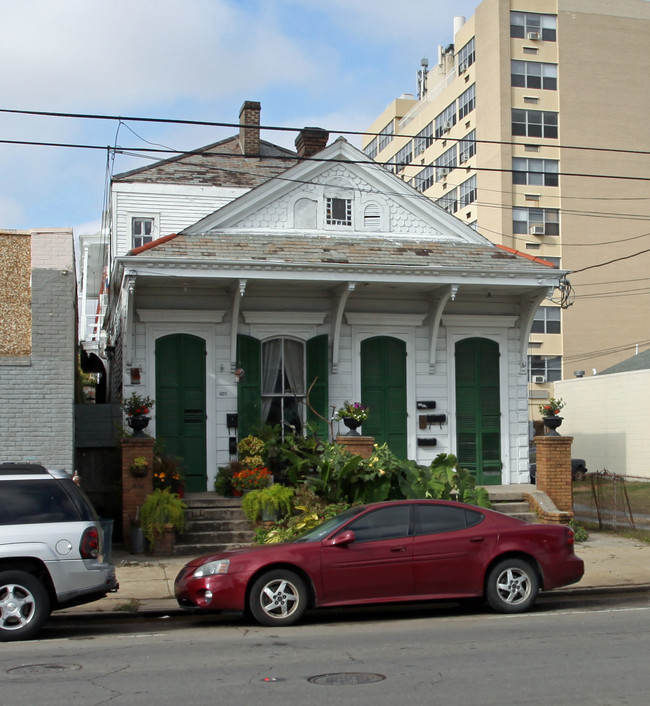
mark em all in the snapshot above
pixel 44 501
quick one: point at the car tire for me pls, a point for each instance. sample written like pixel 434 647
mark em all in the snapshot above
pixel 579 473
pixel 24 605
pixel 512 586
pixel 278 598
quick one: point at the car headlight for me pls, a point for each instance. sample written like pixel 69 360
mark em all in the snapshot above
pixel 212 568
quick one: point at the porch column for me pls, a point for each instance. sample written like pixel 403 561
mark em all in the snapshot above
pixel 554 470
pixel 134 490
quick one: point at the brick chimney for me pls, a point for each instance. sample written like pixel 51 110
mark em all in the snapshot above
pixel 311 140
pixel 249 136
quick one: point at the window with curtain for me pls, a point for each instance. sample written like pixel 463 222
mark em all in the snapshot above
pixel 283 384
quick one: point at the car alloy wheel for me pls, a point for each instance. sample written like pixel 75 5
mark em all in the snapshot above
pixel 24 605
pixel 278 598
pixel 512 586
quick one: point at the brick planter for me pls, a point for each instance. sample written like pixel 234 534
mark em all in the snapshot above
pixel 134 490
pixel 357 445
pixel 554 470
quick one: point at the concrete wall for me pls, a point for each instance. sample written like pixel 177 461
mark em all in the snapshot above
pixel 37 385
pixel 608 417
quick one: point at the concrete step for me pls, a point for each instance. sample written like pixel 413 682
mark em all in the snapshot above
pixel 197 549
pixel 217 525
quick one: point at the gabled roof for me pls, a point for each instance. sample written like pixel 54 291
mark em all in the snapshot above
pixel 218 164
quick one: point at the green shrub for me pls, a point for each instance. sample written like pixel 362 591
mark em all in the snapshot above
pixel 276 500
pixel 160 508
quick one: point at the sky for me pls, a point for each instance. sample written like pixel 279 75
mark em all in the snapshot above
pixel 334 64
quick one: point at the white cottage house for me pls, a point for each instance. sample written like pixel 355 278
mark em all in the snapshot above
pixel 333 281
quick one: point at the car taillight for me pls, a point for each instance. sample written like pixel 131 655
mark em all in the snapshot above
pixel 89 545
pixel 571 537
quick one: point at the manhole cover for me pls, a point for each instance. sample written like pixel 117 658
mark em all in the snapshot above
pixel 44 668
pixel 346 678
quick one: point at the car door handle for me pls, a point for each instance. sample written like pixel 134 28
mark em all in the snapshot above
pixel 477 539
pixel 398 549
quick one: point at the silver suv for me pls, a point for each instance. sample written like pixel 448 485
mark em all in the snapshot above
pixel 51 548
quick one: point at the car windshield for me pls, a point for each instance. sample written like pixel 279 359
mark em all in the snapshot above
pixel 329 526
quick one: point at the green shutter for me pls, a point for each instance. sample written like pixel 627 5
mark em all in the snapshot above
pixel 383 389
pixel 180 404
pixel 317 373
pixel 478 411
pixel 249 388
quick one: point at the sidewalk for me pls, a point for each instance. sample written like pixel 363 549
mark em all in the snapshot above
pixel 147 583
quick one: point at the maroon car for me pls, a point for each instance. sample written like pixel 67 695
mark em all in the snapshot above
pixel 406 550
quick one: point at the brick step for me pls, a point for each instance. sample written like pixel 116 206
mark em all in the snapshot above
pixel 512 507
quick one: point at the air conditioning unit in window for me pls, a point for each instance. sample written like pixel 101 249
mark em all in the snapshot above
pixel 462 67
pixel 539 379
pixel 447 126
pixel 533 36
pixel 443 172
pixel 537 230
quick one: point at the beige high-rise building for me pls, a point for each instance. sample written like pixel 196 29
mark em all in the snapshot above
pixel 532 126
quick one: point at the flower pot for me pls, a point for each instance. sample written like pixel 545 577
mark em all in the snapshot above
pixel 552 423
pixel 237 493
pixel 352 425
pixel 138 471
pixel 138 422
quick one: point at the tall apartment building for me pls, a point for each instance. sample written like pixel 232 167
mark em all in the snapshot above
pixel 519 127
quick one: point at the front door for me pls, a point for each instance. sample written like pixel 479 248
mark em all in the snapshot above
pixel 478 409
pixel 180 404
pixel 383 389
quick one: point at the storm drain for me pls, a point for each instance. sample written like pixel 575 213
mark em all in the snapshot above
pixel 346 678
pixel 44 668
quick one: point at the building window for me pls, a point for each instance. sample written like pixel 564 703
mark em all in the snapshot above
pixel 423 139
pixel 338 212
pixel 467 102
pixel 445 163
pixel 446 120
pixel 546 368
pixel 533 26
pixel 403 157
pixel 468 192
pixel 385 137
pixel 467 147
pixel 424 179
pixel 537 172
pixel 142 230
pixel 534 74
pixel 534 123
pixel 371 148
pixel 547 320
pixel 283 383
pixel 449 201
pixel 536 221
pixel 553 260
pixel 465 57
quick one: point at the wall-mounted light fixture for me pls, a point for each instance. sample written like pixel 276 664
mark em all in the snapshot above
pixel 109 351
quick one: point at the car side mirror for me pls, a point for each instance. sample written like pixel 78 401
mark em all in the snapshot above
pixel 343 539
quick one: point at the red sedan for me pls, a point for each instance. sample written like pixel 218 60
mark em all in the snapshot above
pixel 407 550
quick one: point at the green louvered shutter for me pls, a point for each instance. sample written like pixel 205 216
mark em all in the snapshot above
pixel 478 411
pixel 383 389
pixel 249 388
pixel 180 404
pixel 317 369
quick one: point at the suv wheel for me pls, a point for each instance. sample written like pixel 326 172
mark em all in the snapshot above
pixel 24 605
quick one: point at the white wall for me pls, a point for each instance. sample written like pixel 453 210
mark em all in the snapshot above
pixel 608 417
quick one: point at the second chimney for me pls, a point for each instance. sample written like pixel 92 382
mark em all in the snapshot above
pixel 249 130
pixel 311 140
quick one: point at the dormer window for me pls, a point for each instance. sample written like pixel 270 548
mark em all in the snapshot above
pixel 338 212
pixel 142 231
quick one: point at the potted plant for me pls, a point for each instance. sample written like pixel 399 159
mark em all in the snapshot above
pixel 550 414
pixel 136 408
pixel 251 479
pixel 139 467
pixel 168 473
pixel 268 504
pixel 223 481
pixel 162 513
pixel 353 415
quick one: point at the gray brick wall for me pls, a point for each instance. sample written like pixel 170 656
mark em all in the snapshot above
pixel 37 392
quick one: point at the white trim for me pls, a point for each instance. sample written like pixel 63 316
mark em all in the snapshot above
pixel 284 317
pixel 355 318
pixel 407 334
pixel 478 321
pixel 189 316
pixel 458 334
pixel 266 330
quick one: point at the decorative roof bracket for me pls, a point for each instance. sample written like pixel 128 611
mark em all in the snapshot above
pixel 436 307
pixel 234 325
pixel 343 293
